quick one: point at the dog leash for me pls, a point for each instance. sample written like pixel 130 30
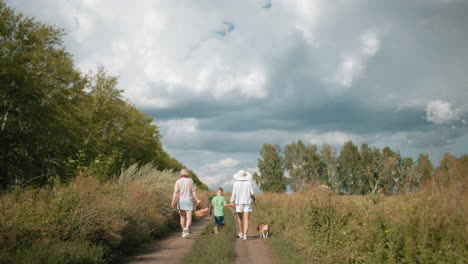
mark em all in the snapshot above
pixel 256 208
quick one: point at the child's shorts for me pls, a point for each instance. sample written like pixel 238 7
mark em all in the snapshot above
pixel 219 220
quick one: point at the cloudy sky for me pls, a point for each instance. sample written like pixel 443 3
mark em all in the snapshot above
pixel 223 77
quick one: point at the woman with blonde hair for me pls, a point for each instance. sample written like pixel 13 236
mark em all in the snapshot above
pixel 184 193
pixel 243 197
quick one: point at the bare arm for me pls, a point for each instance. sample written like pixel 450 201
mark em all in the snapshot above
pixel 175 197
pixel 234 193
pixel 194 194
pixel 252 193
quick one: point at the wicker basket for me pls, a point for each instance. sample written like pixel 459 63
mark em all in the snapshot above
pixel 203 211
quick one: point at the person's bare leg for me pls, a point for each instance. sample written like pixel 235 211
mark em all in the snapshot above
pixel 189 220
pixel 246 222
pixel 239 221
pixel 182 219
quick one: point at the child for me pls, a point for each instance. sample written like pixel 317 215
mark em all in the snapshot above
pixel 218 203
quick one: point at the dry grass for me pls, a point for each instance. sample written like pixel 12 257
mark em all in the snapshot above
pixel 426 227
pixel 89 221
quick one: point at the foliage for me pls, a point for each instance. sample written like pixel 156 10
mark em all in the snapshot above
pixel 302 162
pixel 86 221
pixel 364 170
pixel 424 227
pixel 56 122
pixel 270 166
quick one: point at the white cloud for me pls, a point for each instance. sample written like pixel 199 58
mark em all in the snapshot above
pixel 349 69
pixel 219 174
pixel 182 131
pixel 166 48
pixel 332 138
pixel 370 43
pixel 352 66
pixel 440 112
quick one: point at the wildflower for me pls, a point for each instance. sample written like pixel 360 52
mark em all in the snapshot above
pixel 387 231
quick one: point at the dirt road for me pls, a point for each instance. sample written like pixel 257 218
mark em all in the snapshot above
pixel 169 250
pixel 254 249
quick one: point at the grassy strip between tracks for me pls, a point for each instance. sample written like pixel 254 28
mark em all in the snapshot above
pixel 215 248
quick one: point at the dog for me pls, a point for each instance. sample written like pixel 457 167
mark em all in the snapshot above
pixel 263 230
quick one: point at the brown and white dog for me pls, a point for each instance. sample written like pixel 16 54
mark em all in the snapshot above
pixel 263 230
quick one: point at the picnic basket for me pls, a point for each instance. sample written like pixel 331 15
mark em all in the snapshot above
pixel 201 210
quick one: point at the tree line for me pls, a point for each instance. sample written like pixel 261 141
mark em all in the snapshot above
pixel 354 170
pixel 56 121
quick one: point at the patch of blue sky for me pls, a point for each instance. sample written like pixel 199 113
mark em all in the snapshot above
pixel 228 27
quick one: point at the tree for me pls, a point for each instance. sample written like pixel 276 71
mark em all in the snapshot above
pixel 366 169
pixel 55 122
pixel 294 164
pixel 423 169
pixel 40 89
pixel 302 162
pixel 389 174
pixel 270 165
pixel 329 170
pixel 348 167
pixel 408 180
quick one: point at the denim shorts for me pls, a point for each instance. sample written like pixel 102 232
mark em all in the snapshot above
pixel 219 220
pixel 185 205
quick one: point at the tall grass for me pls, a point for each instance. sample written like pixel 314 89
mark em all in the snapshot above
pixel 86 221
pixel 322 227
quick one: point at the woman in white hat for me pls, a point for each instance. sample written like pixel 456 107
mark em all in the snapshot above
pixel 184 192
pixel 242 197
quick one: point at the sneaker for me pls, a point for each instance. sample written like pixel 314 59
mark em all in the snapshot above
pixel 184 234
pixel 245 237
pixel 241 235
pixel 216 230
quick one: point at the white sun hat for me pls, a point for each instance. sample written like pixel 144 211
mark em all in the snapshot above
pixel 243 175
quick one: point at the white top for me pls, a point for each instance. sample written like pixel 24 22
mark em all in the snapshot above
pixel 185 187
pixel 242 192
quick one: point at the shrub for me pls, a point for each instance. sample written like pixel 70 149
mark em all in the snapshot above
pixel 103 219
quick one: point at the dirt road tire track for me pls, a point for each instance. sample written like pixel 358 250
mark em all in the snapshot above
pixel 253 250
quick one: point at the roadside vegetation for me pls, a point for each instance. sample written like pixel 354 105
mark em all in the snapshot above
pixel 86 221
pixel 319 226
pixel 215 248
